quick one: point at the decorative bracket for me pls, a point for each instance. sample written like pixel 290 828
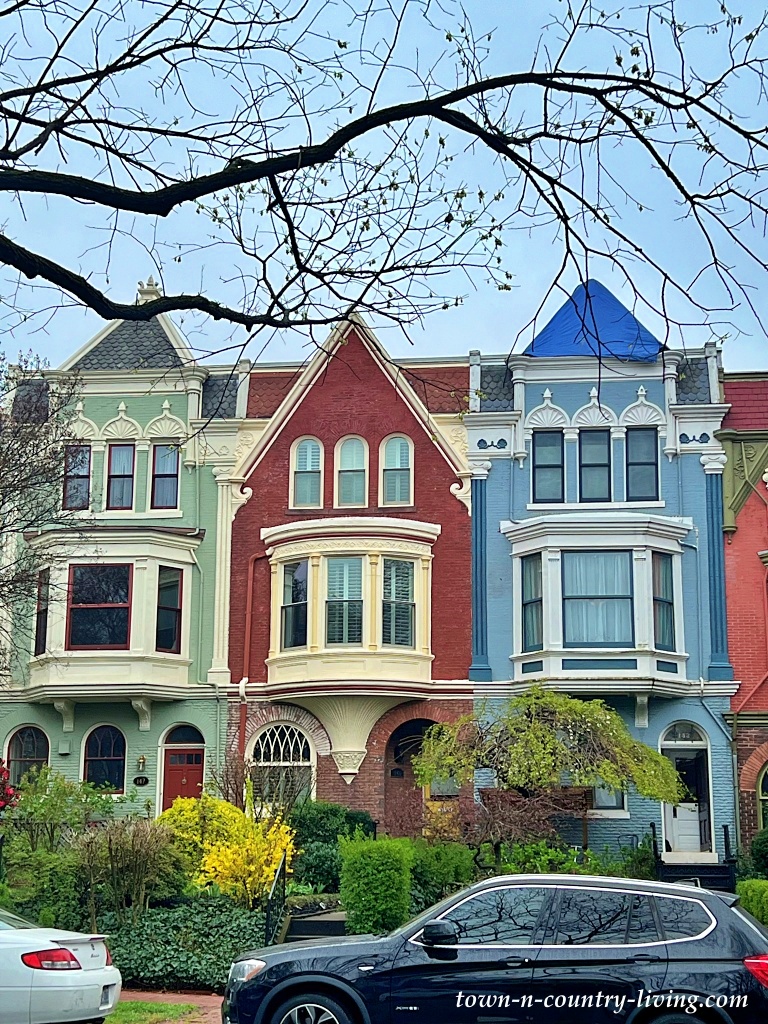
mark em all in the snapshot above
pixel 641 711
pixel 348 762
pixel 66 709
pixel 143 708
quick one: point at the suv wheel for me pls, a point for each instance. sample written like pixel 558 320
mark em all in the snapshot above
pixel 312 1009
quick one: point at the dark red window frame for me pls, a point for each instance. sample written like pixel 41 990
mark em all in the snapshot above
pixel 169 608
pixel 66 503
pixel 18 765
pixel 128 604
pixel 164 476
pixel 41 611
pixel 120 476
pixel 106 757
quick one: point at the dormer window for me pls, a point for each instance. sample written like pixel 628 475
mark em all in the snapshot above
pixel 351 482
pixel 397 472
pixel 548 466
pixel 307 474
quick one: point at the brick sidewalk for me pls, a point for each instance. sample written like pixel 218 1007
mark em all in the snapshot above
pixel 209 1006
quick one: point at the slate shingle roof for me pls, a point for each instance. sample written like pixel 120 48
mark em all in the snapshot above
pixel 496 389
pixel 693 382
pixel 30 402
pixel 220 397
pixel 132 346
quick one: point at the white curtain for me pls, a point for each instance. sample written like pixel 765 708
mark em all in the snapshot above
pixel 597 597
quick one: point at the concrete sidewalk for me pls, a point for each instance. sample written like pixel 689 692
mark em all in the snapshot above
pixel 209 1006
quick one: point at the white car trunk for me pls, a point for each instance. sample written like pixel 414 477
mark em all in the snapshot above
pixel 90 951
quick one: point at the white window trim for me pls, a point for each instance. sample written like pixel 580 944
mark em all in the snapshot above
pixel 139 447
pixel 337 468
pixel 251 746
pixel 167 513
pixel 705 744
pixel 411 460
pixel 568 435
pixel 292 472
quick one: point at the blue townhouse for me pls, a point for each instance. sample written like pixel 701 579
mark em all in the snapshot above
pixel 598 551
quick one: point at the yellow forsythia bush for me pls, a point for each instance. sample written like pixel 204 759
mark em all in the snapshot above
pixel 244 868
pixel 199 823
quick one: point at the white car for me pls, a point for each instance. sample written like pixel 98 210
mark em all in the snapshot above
pixel 49 976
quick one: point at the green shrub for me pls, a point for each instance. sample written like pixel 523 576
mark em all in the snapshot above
pixel 197 823
pixel 759 853
pixel 375 883
pixel 187 947
pixel 315 821
pixel 640 861
pixel 754 897
pixel 438 869
pixel 319 865
pixel 540 857
pixel 48 888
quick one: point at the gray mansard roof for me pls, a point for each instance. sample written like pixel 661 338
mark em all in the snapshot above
pixel 132 346
pixel 693 382
pixel 220 397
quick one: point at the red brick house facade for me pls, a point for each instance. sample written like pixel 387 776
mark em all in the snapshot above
pixel 350 600
pixel 745 496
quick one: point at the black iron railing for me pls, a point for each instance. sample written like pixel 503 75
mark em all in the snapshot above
pixel 275 905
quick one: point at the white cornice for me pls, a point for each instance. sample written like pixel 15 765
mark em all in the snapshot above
pixel 609 687
pixel 351 526
pixel 693 411
pixel 607 525
pixel 106 542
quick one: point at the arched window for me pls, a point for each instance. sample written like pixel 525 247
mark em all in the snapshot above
pixel 762 799
pixel 684 732
pixel 185 734
pixel 27 750
pixel 307 474
pixel 397 472
pixel 105 758
pixel 351 483
pixel 282 765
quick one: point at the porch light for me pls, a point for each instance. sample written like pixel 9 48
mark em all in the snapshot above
pixel 141 762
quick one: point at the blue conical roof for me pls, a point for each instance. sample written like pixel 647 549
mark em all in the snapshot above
pixel 592 322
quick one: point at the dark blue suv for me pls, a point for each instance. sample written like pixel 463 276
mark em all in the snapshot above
pixel 555 949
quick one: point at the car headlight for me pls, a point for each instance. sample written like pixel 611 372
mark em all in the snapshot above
pixel 244 970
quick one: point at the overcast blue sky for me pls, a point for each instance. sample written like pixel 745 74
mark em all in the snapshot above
pixel 487 319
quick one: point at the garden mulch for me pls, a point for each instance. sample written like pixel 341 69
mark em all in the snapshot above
pixel 209 1006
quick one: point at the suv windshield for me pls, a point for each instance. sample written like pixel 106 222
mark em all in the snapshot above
pixel 9 921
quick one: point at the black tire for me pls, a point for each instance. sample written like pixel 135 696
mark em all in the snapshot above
pixel 674 1018
pixel 312 1008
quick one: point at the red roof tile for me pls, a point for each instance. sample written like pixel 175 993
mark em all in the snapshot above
pixel 749 405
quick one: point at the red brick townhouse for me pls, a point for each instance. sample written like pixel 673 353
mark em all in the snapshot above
pixel 350 600
pixel 745 498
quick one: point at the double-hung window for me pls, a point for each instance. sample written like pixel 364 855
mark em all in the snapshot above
pixel 293 613
pixel 597 599
pixel 663 602
pixel 351 489
pixel 594 465
pixel 41 613
pixel 168 626
pixel 77 477
pixel 532 603
pixel 396 474
pixel 120 476
pixel 398 611
pixel 344 607
pixel 307 476
pixel 642 464
pixel 99 607
pixel 165 476
pixel 548 466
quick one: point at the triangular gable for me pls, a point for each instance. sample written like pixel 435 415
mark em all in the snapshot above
pixel 306 378
pixel 127 345
pixel 592 322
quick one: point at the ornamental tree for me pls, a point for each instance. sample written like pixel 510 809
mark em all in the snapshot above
pixel 538 751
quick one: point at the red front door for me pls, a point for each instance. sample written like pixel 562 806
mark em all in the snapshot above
pixel 183 774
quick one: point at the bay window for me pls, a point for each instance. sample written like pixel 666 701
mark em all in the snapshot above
pixel 548 466
pixel 597 599
pixel 168 628
pixel 41 611
pixel 532 603
pixel 293 613
pixel 98 616
pixel 344 606
pixel 398 608
pixel 663 602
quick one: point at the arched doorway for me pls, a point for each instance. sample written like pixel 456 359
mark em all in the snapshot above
pixel 404 802
pixel 183 764
pixel 688 827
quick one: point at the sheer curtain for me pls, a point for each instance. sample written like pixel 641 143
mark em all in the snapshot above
pixel 597 598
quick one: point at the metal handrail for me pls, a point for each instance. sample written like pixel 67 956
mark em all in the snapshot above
pixel 275 904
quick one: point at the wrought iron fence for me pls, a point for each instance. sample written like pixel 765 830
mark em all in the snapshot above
pixel 275 905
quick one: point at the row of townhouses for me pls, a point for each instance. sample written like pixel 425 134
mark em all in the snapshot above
pixel 308 565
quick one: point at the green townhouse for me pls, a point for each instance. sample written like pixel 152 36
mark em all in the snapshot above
pixel 126 680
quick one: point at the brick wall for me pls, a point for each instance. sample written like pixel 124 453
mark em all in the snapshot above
pixel 752 751
pixel 353 396
pixel 745 580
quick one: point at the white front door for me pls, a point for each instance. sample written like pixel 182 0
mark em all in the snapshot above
pixel 685 830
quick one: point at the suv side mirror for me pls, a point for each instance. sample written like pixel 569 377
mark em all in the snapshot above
pixel 440 933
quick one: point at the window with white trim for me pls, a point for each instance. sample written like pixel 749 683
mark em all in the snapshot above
pixel 663 602
pixel 165 476
pixel 396 472
pixel 351 473
pixel 282 764
pixel 606 799
pixel 642 448
pixel 532 602
pixel 398 609
pixel 548 466
pixel 307 474
pixel 594 465
pixel 293 612
pixel 344 605
pixel 597 599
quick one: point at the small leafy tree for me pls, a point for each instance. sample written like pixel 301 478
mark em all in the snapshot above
pixel 49 806
pixel 538 749
pixel 245 867
pixel 197 823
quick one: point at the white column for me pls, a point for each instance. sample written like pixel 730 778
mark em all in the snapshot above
pixel 230 498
